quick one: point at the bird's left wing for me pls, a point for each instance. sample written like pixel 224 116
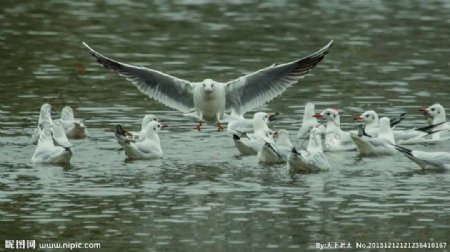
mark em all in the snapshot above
pixel 170 91
pixel 255 89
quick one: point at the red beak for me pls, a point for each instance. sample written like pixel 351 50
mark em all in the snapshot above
pixel 423 110
pixel 163 125
pixel 358 118
pixel 272 116
pixel 317 116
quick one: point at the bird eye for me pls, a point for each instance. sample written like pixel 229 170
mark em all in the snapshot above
pixel 367 116
pixel 212 85
pixel 432 109
pixel 159 126
pixel 328 113
pixel 204 85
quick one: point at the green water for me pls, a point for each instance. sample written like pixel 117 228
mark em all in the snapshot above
pixel 390 56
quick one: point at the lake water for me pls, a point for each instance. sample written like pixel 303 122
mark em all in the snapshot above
pixel 390 56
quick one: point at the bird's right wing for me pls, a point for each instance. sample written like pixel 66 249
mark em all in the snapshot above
pixel 170 91
pixel 262 86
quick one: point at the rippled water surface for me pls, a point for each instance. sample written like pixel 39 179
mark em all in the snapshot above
pixel 390 56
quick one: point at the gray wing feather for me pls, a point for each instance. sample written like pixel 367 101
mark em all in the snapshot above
pixel 264 85
pixel 171 91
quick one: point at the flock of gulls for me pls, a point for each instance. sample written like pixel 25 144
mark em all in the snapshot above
pixel 213 102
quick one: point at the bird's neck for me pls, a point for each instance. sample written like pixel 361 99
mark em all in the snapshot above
pixel 372 125
pixel 333 125
pixel 439 118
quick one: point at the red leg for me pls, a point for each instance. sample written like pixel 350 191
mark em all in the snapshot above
pixel 199 125
pixel 219 127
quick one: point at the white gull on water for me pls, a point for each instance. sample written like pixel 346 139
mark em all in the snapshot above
pixel 276 153
pixel 312 159
pixel 122 135
pixel 251 143
pixel 335 138
pixel 427 160
pixel 436 132
pixel 149 147
pixel 211 99
pixel 74 128
pixel 383 144
pixel 47 152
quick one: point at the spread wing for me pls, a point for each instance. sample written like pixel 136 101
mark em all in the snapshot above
pixel 255 89
pixel 170 91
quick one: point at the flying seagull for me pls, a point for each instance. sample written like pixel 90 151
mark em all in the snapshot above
pixel 208 98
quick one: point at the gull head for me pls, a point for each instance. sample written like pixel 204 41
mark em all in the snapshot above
pixel 368 117
pixel 147 119
pixel 67 114
pixel 154 127
pixel 433 110
pixel 329 114
pixel 261 117
pixel 46 107
pixel 45 112
pixel 208 86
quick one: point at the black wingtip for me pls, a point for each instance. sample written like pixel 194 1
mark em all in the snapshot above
pixel 403 150
pixel 429 128
pixel 236 137
pixel 268 145
pixel 397 120
pixel 120 130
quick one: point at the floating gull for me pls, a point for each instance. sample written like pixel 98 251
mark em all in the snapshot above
pixel 312 159
pixel 436 132
pixel 210 99
pixel 276 153
pixel 47 152
pixel 383 144
pixel 335 138
pixel 238 124
pixel 427 160
pixel 250 144
pixel 371 126
pixel 149 147
pixel 123 136
pixel 75 129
